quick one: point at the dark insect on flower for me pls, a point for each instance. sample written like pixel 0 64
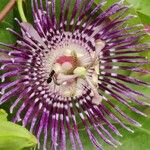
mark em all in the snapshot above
pixel 71 66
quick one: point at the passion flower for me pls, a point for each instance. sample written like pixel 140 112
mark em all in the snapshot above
pixel 71 66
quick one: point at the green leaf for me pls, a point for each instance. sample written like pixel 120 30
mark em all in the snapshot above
pixel 139 140
pixel 135 141
pixel 15 137
pixel 141 6
pixel 5 36
pixel 3 115
pixel 145 19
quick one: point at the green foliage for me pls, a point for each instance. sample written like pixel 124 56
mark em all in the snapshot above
pixel 143 8
pixel 130 141
pixel 14 137
pixel 3 115
pixel 5 36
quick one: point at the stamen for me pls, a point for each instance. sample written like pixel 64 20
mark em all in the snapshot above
pixel 99 45
pixel 65 78
pixel 97 98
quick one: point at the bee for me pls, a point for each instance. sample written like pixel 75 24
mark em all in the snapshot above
pixel 49 80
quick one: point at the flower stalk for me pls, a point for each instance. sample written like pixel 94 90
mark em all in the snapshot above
pixel 21 11
pixel 7 9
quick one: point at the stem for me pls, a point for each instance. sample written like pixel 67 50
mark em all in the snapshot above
pixel 20 9
pixel 7 9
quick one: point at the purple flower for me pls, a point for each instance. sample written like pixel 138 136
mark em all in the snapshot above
pixel 71 66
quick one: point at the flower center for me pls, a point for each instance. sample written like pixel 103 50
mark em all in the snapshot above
pixel 69 66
